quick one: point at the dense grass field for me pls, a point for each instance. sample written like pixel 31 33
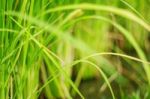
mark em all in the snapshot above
pixel 74 49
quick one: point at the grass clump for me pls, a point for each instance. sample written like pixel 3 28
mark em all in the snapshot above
pixel 49 49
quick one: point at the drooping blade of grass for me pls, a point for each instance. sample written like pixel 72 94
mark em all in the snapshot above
pixel 130 38
pixel 86 6
pixel 90 56
pixel 132 8
pixel 93 55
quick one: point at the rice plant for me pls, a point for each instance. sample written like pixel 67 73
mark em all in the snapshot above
pixel 74 49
